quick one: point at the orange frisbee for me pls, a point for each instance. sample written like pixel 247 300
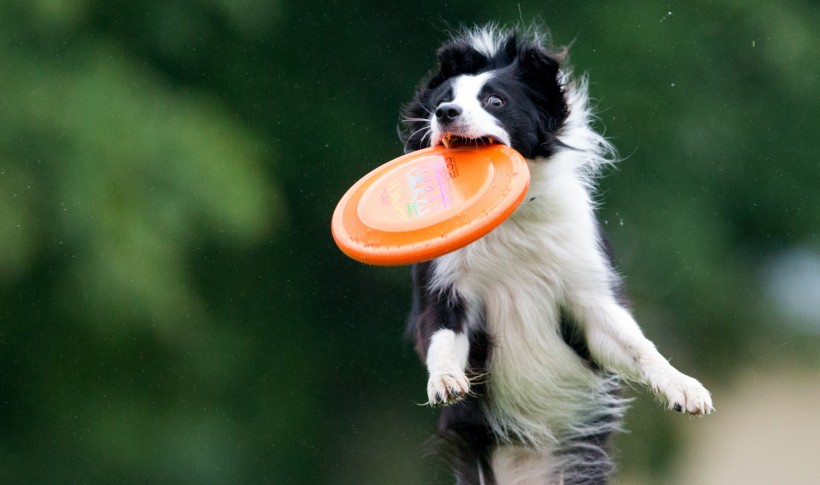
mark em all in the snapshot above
pixel 428 203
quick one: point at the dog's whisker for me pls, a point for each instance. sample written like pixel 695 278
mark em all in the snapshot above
pixel 427 131
pixel 410 120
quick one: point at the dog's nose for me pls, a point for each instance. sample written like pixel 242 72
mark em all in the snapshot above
pixel 447 112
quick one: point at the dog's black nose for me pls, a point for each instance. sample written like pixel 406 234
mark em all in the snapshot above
pixel 447 112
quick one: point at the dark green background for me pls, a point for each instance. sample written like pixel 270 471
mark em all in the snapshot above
pixel 173 308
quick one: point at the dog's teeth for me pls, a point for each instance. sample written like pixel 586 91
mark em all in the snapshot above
pixel 446 141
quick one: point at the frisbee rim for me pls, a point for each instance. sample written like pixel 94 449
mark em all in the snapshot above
pixel 447 235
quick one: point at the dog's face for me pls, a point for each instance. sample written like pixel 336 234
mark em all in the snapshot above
pixel 468 109
pixel 506 93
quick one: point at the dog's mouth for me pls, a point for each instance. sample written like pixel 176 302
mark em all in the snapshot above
pixel 450 140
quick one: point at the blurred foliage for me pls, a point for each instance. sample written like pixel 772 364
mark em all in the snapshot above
pixel 172 307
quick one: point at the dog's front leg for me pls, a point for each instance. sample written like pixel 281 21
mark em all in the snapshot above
pixel 440 329
pixel 617 343
pixel 446 362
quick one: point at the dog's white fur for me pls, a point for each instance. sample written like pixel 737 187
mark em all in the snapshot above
pixel 446 361
pixel 475 121
pixel 545 257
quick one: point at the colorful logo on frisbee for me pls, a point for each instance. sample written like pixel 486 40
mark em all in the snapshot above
pixel 423 190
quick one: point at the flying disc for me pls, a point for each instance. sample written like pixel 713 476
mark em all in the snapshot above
pixel 428 203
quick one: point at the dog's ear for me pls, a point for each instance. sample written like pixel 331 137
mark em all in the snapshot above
pixel 455 59
pixel 539 66
pixel 458 58
pixel 541 70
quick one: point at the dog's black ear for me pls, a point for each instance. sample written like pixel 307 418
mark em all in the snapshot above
pixel 539 66
pixel 458 58
pixel 541 71
pixel 455 59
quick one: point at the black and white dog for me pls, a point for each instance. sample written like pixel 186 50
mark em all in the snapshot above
pixel 523 331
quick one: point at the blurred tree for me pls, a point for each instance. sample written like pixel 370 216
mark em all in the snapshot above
pixel 112 178
pixel 172 307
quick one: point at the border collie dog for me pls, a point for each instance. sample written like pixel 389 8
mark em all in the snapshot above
pixel 523 331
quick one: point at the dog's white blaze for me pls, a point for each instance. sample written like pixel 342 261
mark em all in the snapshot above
pixel 474 121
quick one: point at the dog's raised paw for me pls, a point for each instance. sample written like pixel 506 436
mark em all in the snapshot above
pixel 684 394
pixel 447 388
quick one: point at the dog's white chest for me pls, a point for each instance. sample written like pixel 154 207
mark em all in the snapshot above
pixel 514 275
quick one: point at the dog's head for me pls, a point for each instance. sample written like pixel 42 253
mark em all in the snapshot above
pixel 490 87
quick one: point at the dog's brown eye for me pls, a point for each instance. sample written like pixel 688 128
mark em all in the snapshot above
pixel 494 101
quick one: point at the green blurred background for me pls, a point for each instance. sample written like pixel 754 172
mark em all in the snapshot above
pixel 173 308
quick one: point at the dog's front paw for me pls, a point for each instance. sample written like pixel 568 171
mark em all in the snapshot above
pixel 683 393
pixel 447 388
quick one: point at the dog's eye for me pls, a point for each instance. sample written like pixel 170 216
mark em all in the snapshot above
pixel 494 101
